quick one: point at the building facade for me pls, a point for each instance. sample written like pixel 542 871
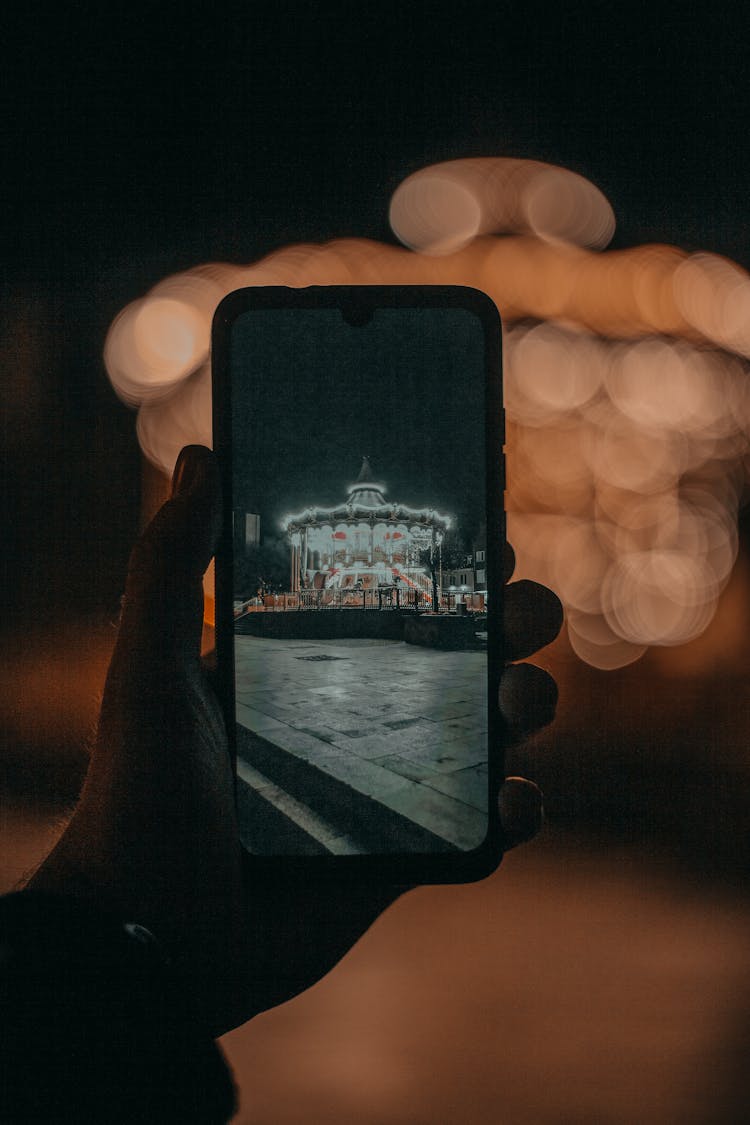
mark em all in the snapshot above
pixel 471 577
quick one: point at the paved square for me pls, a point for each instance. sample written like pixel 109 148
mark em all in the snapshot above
pixel 402 724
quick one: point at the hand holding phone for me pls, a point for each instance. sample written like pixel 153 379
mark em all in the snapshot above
pixel 127 847
pixel 359 601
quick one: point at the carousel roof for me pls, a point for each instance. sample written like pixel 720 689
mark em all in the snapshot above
pixel 366 500
pixel 365 492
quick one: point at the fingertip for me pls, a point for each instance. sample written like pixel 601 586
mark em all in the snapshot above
pixel 175 549
pixel 195 470
pixel 509 561
pixel 521 809
pixel 527 697
pixel 532 618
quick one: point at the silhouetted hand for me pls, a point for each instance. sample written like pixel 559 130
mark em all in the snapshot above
pixel 155 837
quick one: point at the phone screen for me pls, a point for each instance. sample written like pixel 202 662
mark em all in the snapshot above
pixel 363 570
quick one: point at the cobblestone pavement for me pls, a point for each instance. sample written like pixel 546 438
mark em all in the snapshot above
pixel 405 724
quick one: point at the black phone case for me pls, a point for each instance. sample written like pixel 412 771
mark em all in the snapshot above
pixel 357 304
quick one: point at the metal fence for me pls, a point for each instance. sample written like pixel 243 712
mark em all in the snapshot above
pixel 382 598
pixel 385 597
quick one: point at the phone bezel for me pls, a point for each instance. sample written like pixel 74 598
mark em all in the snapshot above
pixel 356 301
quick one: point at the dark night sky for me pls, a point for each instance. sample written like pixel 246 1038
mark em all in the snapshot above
pixel 136 145
pixel 314 395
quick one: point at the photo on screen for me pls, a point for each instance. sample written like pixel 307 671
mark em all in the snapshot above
pixel 360 581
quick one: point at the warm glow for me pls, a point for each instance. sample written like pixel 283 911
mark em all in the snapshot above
pixel 593 641
pixel 436 215
pixel 659 597
pixel 153 345
pixel 713 294
pixel 554 370
pixel 166 425
pixel 440 209
pixel 626 386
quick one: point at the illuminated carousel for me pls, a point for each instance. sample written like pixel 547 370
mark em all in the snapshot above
pixel 367 544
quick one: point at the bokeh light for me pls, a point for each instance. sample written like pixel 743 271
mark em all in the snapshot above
pixel 441 208
pixel 626 384
pixel 153 345
pixel 713 294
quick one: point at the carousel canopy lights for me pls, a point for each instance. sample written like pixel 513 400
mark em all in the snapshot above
pixel 367 499
pixel 365 540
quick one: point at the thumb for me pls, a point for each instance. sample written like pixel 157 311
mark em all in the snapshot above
pixel 163 603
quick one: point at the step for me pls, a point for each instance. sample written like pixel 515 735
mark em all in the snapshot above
pixel 385 812
pixel 272 822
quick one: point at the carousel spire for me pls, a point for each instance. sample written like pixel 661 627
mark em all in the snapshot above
pixel 366 491
pixel 365 473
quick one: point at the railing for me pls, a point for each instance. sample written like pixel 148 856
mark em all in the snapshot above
pixel 462 603
pixel 381 598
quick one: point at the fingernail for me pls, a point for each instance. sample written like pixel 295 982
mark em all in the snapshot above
pixel 521 810
pixel 509 561
pixel 191 470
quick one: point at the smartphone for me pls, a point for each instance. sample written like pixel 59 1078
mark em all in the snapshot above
pixel 359 430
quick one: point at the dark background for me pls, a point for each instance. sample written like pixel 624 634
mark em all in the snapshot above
pixel 313 395
pixel 138 142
